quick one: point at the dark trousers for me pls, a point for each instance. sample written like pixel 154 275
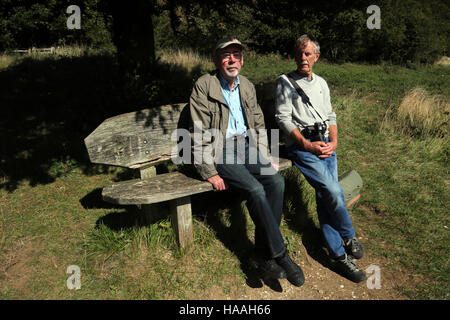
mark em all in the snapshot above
pixel 262 187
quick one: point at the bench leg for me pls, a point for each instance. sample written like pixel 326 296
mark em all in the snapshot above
pixel 147 173
pixel 181 212
pixel 156 211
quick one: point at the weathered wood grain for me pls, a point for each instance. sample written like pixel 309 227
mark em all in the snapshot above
pixel 147 172
pixel 181 212
pixel 156 210
pixel 163 187
pixel 135 137
pixel 160 188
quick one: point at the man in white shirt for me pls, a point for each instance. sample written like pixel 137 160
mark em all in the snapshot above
pixel 308 122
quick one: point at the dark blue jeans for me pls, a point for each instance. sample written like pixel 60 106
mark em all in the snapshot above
pixel 264 194
pixel 322 175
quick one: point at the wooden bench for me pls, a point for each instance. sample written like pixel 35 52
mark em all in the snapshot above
pixel 140 140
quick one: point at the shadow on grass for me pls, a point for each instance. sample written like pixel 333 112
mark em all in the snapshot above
pixel 129 217
pixel 299 220
pixel 49 105
pixel 94 200
pixel 222 206
pixel 126 216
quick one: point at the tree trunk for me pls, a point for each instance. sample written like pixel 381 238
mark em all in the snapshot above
pixel 134 39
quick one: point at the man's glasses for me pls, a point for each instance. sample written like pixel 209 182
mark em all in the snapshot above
pixel 227 55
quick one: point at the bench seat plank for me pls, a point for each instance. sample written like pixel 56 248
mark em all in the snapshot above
pixel 163 187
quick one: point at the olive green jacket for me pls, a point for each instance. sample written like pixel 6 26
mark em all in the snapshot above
pixel 209 109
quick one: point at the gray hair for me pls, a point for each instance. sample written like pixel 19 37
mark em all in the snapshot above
pixel 303 39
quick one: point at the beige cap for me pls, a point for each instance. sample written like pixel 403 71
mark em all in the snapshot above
pixel 225 42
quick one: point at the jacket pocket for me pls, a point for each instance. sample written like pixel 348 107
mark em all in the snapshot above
pixel 214 113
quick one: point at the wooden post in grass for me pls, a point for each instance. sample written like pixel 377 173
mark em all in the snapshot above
pixel 150 211
pixel 181 212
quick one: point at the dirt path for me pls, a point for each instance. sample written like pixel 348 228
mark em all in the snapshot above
pixel 323 284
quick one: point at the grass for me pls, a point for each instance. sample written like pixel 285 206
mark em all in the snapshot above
pixel 188 59
pixel 52 215
pixel 5 61
pixel 427 115
pixel 406 183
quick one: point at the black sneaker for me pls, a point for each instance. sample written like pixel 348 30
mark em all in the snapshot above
pixel 293 272
pixel 348 269
pixel 353 248
pixel 271 270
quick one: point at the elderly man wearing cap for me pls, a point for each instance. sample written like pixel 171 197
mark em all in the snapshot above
pixel 225 102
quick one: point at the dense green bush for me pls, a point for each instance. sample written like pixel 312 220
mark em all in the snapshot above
pixel 26 24
pixel 411 30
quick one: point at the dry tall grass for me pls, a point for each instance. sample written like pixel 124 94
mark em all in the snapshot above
pixel 443 61
pixel 424 114
pixel 5 61
pixel 71 51
pixel 10 57
pixel 188 59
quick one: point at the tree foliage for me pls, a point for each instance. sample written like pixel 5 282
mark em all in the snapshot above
pixel 411 30
pixel 25 24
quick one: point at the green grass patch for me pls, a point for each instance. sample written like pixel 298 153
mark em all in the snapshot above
pixel 52 215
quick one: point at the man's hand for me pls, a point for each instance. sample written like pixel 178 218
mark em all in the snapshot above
pixel 328 150
pixel 332 145
pixel 315 147
pixel 322 149
pixel 217 182
pixel 319 148
pixel 275 166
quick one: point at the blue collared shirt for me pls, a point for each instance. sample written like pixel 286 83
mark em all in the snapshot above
pixel 236 121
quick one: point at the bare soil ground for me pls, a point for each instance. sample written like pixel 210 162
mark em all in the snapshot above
pixel 321 283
